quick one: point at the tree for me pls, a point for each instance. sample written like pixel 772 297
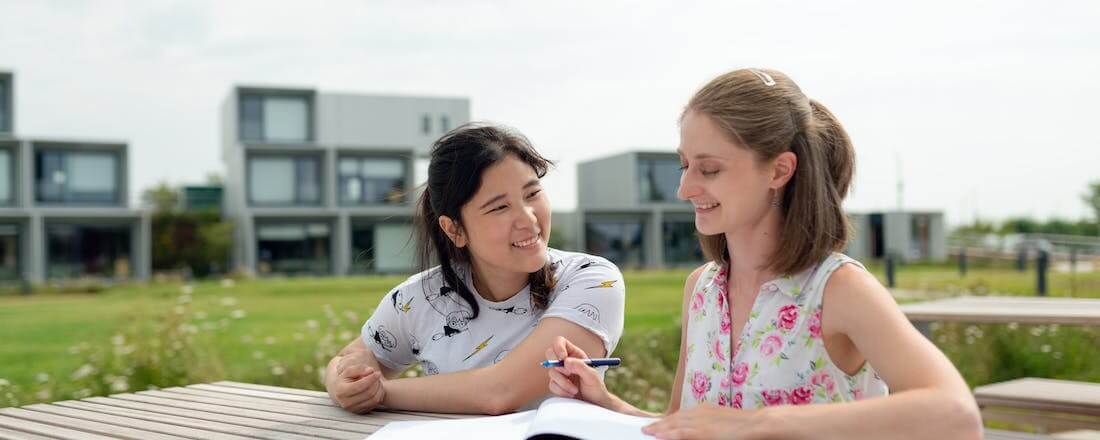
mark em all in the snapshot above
pixel 162 198
pixel 1091 197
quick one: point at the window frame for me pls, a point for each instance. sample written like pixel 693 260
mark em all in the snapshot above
pixel 295 159
pixel 262 95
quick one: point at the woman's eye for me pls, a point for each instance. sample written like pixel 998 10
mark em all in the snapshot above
pixel 498 208
pixel 532 195
pixel 709 172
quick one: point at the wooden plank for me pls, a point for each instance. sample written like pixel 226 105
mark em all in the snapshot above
pixel 300 408
pixel 310 410
pixel 1078 435
pixel 1044 421
pixel 324 401
pixel 221 417
pixel 994 434
pixel 324 396
pixel 47 429
pixel 183 420
pixel 178 405
pixel 1023 310
pixel 11 434
pixel 86 425
pixel 161 427
pixel 1042 394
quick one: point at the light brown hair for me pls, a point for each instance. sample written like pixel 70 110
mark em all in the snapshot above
pixel 764 111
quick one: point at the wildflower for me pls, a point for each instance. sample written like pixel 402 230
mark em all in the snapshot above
pixel 229 301
pixel 84 371
pixel 186 289
pixel 237 314
pixel 42 377
pixel 228 283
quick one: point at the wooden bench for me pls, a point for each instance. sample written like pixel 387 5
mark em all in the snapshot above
pixel 1050 405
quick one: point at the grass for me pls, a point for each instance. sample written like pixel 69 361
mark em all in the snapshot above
pixel 282 331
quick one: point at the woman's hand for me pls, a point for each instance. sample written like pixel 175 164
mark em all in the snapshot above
pixel 708 421
pixel 576 379
pixel 356 386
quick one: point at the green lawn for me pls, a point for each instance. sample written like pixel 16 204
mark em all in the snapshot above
pixel 281 331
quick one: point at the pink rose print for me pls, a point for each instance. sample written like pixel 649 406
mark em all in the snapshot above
pixel 857 394
pixel 739 374
pixel 823 379
pixel 736 348
pixel 771 345
pixel 724 322
pixel 724 400
pixel 697 301
pixel 801 396
pixel 788 315
pixel 737 399
pixel 700 384
pixel 815 324
pixel 719 353
pixel 722 278
pixel 726 382
pixel 774 397
pixel 722 299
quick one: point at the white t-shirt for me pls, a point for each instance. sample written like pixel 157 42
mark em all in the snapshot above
pixel 424 321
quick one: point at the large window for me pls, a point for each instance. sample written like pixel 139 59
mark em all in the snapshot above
pixel 90 177
pixel 681 245
pixel 658 179
pixel 275 118
pixel 381 247
pixel 621 241
pixel 82 250
pixel 9 252
pixel 284 180
pixel 371 180
pixel 294 248
pixel 7 178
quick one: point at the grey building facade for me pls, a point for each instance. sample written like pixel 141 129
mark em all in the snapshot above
pixel 64 207
pixel 324 183
pixel 907 235
pixel 627 211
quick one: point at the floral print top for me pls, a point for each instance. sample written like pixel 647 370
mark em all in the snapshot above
pixel 779 358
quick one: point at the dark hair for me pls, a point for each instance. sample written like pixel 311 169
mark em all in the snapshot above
pixel 458 159
pixel 764 111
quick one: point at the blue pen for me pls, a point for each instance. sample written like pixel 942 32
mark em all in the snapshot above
pixel 597 362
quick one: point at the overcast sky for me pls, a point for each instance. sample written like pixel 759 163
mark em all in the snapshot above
pixel 989 108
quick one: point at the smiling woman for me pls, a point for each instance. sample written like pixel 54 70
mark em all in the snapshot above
pixel 478 322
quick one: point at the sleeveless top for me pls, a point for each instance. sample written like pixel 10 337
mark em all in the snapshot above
pixel 779 358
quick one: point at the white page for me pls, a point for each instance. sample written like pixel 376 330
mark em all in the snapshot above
pixel 584 420
pixel 511 426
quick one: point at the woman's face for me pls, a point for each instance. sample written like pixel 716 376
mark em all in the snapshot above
pixel 507 222
pixel 730 189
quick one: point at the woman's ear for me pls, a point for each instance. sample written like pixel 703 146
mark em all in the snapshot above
pixel 453 231
pixel 783 167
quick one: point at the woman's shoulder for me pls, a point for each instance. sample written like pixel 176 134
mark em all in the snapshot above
pixel 566 262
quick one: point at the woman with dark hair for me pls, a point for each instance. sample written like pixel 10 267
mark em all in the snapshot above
pixel 778 319
pixel 479 321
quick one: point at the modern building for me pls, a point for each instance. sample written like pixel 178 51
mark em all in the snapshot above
pixel 200 197
pixel 323 183
pixel 64 209
pixel 627 211
pixel 909 236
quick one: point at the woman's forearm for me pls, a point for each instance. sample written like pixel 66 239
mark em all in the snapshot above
pixel 619 405
pixel 476 391
pixel 916 414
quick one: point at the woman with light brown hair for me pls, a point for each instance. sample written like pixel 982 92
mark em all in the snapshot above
pixel 778 319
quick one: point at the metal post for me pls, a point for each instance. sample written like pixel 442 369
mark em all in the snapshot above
pixel 890 270
pixel 1021 260
pixel 1041 270
pixel 962 262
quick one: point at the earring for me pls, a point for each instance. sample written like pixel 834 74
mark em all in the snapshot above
pixel 775 199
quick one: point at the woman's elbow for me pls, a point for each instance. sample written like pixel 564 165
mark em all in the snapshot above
pixel 502 399
pixel 967 417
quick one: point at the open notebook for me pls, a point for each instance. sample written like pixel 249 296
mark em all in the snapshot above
pixel 555 416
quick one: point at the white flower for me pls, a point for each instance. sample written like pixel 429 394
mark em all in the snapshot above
pixel 312 324
pixel 237 314
pixel 186 289
pixel 200 315
pixel 42 377
pixel 118 340
pixel 229 301
pixel 4 383
pixel 43 394
pixel 269 340
pixel 227 283
pixel 120 385
pixel 184 299
pixel 84 371
pixel 278 370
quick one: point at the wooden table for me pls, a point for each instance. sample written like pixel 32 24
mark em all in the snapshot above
pixel 221 410
pixel 1004 309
